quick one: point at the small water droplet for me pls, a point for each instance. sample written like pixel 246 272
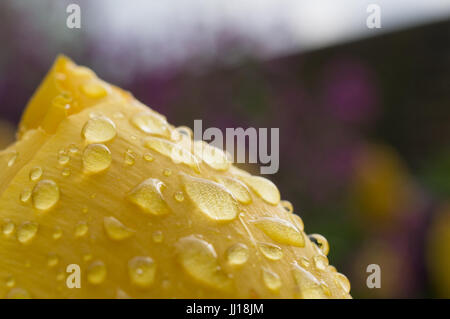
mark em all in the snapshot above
pixel 8 228
pixel 73 149
pixel 321 262
pixel 281 231
pixel 129 157
pixel 148 157
pixel 287 206
pixel 96 158
pixel 115 229
pixel 26 232
pixel 12 159
pixel 343 282
pixel 45 194
pixel 236 188
pixel 57 234
pixel 304 261
pixel 10 282
pixel 199 260
pixel 25 195
pixel 263 188
pixel 52 260
pixel 271 280
pixel 167 172
pixel 99 129
pixel 81 229
pixel 63 158
pixel 237 254
pixel 320 242
pixel 142 270
pixel 35 173
pixel 271 251
pixel 96 272
pixel 148 196
pixel 87 257
pixel 94 90
pixel 179 196
pixel 212 199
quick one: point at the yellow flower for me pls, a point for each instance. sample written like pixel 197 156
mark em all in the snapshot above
pixel 100 181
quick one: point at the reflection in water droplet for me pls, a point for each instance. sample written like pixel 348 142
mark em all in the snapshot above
pixel 26 232
pixel 237 254
pixel 63 157
pixel 115 229
pixel 320 242
pixel 66 172
pixel 45 194
pixel 99 129
pixel 199 259
pixel 142 271
pixel 148 196
pixel 287 206
pixel 212 199
pixel 96 158
pixel 96 272
pixel 270 251
pixel 281 231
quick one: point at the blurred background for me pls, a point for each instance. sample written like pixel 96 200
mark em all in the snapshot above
pixel 364 114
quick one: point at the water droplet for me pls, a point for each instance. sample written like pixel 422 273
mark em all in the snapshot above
pixel 8 228
pixel 129 158
pixel 96 158
pixel 263 187
pixel 45 194
pixel 304 261
pixel 25 195
pixel 320 242
pixel 212 199
pixel 96 272
pixel 151 124
pixel 199 259
pixel 57 234
pixel 35 173
pixel 115 229
pixel 297 221
pixel 281 231
pixel 237 254
pixel 73 149
pixel 287 206
pixel 179 196
pixel 81 229
pixel 10 282
pixel 270 251
pixel 142 271
pixel 52 260
pixel 158 236
pixel 175 152
pixel 66 172
pixel 87 257
pixel 18 293
pixel 321 262
pixel 148 196
pixel 325 289
pixel 148 157
pixel 63 158
pixel 236 188
pixel 271 280
pixel 309 287
pixel 167 172
pixel 212 156
pixel 12 159
pixel 99 129
pixel 94 90
pixel 342 281
pixel 26 232
pixel 185 130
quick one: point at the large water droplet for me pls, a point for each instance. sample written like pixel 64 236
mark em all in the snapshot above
pixel 96 272
pixel 148 196
pixel 175 152
pixel 96 158
pixel 151 124
pixel 236 188
pixel 115 229
pixel 281 231
pixel 270 251
pixel 212 156
pixel 99 129
pixel 199 259
pixel 263 187
pixel 212 199
pixel 308 286
pixel 271 280
pixel 320 242
pixel 321 262
pixel 35 173
pixel 237 254
pixel 45 194
pixel 142 271
pixel 26 232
